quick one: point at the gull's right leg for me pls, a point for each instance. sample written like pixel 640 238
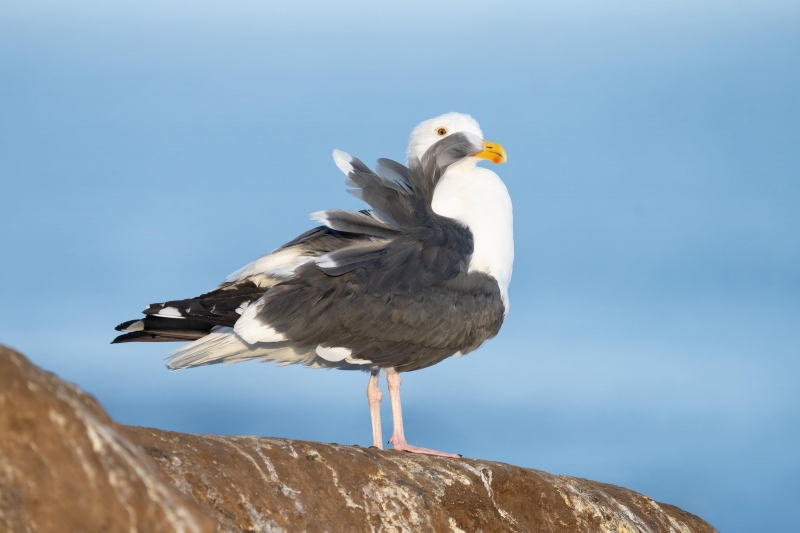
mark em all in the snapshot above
pixel 398 439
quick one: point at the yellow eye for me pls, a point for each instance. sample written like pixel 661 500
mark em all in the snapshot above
pixel 441 132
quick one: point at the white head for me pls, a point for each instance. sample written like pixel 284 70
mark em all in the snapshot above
pixel 429 132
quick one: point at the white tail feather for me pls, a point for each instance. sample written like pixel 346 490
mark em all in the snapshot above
pixel 222 345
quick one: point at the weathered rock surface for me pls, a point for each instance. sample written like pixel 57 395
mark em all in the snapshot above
pixel 264 484
pixel 65 466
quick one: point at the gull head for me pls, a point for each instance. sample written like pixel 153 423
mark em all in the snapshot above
pixel 431 131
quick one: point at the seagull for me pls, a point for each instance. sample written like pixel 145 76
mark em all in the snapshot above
pixel 419 277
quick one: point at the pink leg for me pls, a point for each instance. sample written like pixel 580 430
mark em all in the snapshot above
pixel 374 396
pixel 398 439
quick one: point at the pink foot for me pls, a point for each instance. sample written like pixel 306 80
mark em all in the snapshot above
pixel 398 439
pixel 406 447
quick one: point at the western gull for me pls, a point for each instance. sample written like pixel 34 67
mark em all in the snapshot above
pixel 421 276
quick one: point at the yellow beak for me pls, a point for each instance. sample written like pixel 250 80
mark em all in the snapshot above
pixel 494 152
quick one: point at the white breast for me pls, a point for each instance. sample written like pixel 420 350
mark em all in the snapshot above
pixel 477 198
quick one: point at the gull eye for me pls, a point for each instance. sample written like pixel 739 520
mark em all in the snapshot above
pixel 441 132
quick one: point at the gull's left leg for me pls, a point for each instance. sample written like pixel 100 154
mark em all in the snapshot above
pixel 398 439
pixel 374 396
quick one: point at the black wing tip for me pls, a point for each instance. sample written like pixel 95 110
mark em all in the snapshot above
pixel 127 323
pixel 141 336
pixel 129 337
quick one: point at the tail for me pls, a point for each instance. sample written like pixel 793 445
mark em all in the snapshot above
pixel 222 345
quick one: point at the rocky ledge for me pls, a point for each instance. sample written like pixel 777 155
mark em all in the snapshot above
pixel 66 466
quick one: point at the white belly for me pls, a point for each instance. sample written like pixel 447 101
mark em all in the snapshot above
pixel 479 199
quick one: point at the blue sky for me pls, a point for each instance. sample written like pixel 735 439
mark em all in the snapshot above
pixel 149 149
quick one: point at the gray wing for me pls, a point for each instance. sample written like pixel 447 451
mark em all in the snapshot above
pixel 387 287
pixel 403 330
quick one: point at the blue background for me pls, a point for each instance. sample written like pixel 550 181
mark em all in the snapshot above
pixel 149 149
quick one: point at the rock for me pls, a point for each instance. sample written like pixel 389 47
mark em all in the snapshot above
pixel 266 484
pixel 65 466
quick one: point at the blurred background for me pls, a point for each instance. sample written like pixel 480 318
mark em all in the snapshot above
pixel 149 149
